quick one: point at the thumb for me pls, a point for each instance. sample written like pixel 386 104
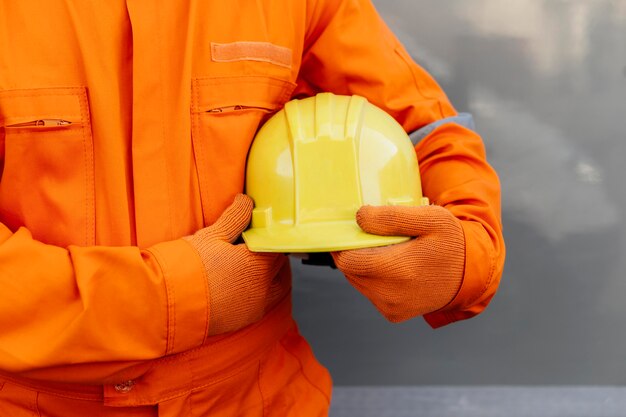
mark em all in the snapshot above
pixel 234 219
pixel 404 220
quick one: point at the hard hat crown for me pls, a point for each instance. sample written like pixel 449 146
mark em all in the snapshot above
pixel 315 163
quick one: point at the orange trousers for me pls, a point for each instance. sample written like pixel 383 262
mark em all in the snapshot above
pixel 265 370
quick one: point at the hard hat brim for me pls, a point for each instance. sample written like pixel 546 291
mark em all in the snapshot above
pixel 309 238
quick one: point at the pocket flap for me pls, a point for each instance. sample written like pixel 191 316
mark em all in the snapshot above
pixel 22 106
pixel 253 91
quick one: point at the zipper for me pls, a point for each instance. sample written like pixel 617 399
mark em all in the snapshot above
pixel 43 123
pixel 237 108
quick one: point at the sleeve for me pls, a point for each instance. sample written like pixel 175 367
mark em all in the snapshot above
pixel 77 305
pixel 350 50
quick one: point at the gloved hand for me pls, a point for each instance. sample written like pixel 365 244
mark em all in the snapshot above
pixel 242 285
pixel 411 278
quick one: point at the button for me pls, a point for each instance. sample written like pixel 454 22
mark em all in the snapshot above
pixel 124 387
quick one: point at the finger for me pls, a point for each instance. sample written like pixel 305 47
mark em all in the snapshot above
pixel 261 261
pixel 234 219
pixel 365 261
pixel 349 261
pixel 403 220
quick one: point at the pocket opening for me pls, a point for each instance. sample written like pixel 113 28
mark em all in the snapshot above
pixel 42 123
pixel 239 107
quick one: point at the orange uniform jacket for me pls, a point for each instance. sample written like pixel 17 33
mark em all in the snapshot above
pixel 163 99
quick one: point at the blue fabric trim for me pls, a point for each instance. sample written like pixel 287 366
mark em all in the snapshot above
pixel 463 119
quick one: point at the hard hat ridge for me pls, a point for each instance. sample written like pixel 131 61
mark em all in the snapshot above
pixel 315 163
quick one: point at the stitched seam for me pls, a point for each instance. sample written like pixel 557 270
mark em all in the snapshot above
pixel 86 214
pixel 58 394
pixel 492 268
pixel 223 344
pixel 63 395
pixel 252 51
pixel 170 288
pixel 32 402
pixel 37 412
pixel 88 208
pixel 198 151
pixel 38 116
pixel 44 390
pixel 91 218
pixel 199 161
pixel 258 381
pixel 192 377
pixel 417 86
pixel 171 313
pixel 304 373
pixel 205 281
pixel 67 132
pixel 184 391
pixel 54 393
pixel 58 91
pixel 189 405
pixel 163 133
pixel 207 296
pixel 238 78
pixel 252 58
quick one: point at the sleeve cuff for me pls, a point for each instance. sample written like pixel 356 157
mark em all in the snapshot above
pixel 187 294
pixel 479 272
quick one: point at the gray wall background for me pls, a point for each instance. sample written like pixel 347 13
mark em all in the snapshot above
pixel 546 82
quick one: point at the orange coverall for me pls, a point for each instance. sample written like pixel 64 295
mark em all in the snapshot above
pixel 102 304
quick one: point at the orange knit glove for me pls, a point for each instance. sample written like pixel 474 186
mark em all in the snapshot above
pixel 411 278
pixel 242 285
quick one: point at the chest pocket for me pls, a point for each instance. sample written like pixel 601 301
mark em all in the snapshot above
pixel 226 113
pixel 47 177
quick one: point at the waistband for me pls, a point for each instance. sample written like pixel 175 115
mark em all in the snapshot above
pixel 175 375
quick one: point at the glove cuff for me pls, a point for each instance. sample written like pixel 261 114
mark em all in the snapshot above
pixel 239 293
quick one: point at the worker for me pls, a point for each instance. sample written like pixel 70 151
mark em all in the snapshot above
pixel 124 130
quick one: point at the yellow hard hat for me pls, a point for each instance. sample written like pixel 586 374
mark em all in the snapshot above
pixel 315 163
